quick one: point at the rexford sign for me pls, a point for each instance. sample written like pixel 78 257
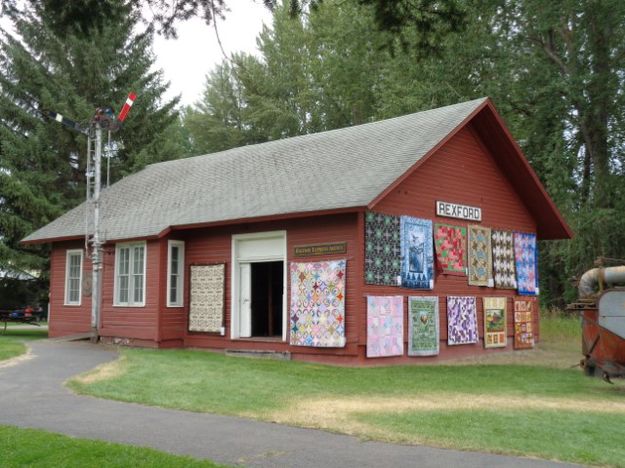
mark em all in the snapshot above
pixel 455 210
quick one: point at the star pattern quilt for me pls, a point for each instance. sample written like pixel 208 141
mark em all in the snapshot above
pixel 451 248
pixel 461 320
pixel 417 250
pixel 423 326
pixel 385 326
pixel 504 270
pixel 318 304
pixel 382 249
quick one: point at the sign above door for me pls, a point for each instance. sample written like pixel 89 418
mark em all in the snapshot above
pixel 320 249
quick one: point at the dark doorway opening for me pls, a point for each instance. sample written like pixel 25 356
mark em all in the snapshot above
pixel 267 288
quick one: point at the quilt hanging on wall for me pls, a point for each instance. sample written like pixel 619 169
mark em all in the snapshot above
pixel 504 270
pixel 461 320
pixel 417 252
pixel 525 263
pixel 480 262
pixel 423 326
pixel 206 307
pixel 385 326
pixel 494 322
pixel 523 326
pixel 451 248
pixel 318 304
pixel 382 249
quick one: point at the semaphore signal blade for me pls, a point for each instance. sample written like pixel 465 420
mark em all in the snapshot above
pixel 126 107
pixel 66 122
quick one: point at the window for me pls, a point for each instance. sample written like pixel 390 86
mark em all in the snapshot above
pixel 73 277
pixel 130 274
pixel 175 273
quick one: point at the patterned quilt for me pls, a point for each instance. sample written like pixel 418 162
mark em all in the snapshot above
pixel 526 265
pixel 385 326
pixel 417 250
pixel 382 249
pixel 318 304
pixel 206 307
pixel 523 326
pixel 480 262
pixel 504 269
pixel 423 326
pixel 451 248
pixel 494 322
pixel 461 320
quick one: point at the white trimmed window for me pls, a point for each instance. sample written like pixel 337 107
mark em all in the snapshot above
pixel 73 277
pixel 130 274
pixel 175 273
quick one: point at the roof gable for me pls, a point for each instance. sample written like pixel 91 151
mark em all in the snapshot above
pixel 494 134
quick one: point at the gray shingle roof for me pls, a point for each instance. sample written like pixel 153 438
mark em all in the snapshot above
pixel 341 168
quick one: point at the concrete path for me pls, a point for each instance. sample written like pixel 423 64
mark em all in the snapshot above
pixel 33 396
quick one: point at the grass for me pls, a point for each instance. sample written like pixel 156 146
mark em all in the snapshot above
pixel 34 448
pixel 12 341
pixel 569 435
pixel 529 403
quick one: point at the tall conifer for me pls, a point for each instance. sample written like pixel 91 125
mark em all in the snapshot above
pixel 70 71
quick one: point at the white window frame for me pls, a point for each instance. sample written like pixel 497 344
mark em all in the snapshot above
pixel 68 254
pixel 181 266
pixel 130 302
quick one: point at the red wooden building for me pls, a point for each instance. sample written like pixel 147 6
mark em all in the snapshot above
pixel 201 252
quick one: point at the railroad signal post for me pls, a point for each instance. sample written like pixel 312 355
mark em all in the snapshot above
pixel 103 119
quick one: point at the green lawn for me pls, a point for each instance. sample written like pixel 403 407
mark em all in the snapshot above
pixel 34 448
pixel 12 341
pixel 485 406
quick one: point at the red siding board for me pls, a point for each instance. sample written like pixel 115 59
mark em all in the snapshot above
pixel 67 320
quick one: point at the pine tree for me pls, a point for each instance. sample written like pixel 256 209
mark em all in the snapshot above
pixel 42 164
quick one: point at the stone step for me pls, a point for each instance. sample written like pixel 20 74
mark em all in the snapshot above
pixel 259 354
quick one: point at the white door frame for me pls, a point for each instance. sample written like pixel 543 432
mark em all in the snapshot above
pixel 237 260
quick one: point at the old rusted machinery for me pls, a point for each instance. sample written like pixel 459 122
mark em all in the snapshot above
pixel 602 307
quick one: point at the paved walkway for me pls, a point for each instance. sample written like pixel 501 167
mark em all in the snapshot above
pixel 33 396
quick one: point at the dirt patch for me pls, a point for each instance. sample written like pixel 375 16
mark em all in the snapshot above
pixel 109 370
pixel 337 414
pixel 27 356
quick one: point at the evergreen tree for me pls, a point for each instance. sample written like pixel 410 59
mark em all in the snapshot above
pixel 42 164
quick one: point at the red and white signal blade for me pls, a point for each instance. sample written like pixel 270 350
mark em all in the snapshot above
pixel 126 107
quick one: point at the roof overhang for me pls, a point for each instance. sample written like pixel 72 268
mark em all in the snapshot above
pixel 227 222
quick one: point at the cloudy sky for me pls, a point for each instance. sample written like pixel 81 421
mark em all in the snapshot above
pixel 187 60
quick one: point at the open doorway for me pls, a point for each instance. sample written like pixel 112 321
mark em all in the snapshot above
pixel 267 286
pixel 259 285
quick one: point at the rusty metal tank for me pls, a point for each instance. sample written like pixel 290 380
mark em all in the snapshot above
pixel 602 306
